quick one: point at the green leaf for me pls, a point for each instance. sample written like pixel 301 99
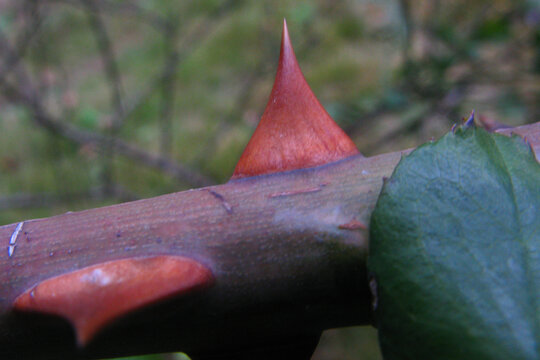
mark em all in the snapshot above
pixel 455 251
pixel 493 29
pixel 87 118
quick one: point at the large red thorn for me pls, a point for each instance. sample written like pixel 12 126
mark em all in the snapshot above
pixel 92 297
pixel 295 131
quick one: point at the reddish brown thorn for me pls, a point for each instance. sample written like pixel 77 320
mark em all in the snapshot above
pixel 470 121
pixel 92 297
pixel 295 131
pixel 353 225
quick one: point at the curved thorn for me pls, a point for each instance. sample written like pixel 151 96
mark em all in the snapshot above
pixel 92 297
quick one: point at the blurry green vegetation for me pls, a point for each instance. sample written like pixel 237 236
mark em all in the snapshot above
pixel 194 78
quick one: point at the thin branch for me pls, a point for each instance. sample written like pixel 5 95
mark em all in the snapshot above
pixel 408 28
pixel 12 56
pixel 26 94
pixel 110 63
pixel 114 7
pixel 168 89
pixel 68 131
pixel 112 72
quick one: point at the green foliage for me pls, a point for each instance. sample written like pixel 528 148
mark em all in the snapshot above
pixel 87 118
pixel 302 12
pixel 493 29
pixel 455 240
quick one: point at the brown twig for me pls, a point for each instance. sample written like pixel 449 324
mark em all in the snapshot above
pixel 112 72
pixel 12 56
pixel 28 95
pixel 168 89
pixel 114 7
pixel 68 131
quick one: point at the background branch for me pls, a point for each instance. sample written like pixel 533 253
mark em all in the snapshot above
pixel 87 137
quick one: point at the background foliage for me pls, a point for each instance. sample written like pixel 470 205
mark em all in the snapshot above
pixel 106 101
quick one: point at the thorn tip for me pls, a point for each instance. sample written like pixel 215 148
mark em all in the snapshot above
pixel 295 131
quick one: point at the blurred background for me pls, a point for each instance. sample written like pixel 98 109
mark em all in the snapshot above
pixel 105 101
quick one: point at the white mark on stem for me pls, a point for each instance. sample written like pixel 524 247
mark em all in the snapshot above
pixel 13 238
